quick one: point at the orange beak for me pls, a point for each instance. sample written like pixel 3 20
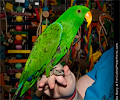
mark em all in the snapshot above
pixel 88 18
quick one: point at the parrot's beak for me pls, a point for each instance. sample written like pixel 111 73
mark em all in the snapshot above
pixel 88 18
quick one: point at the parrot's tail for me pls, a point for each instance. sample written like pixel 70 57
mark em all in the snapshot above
pixel 18 92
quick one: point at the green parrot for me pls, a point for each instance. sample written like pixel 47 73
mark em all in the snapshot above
pixel 51 46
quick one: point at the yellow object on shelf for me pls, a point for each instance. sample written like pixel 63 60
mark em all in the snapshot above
pixel 19 51
pixel 90 55
pixel 8 7
pixel 19 18
pixel 18 75
pixel 43 27
pixel 96 55
pixel 23 35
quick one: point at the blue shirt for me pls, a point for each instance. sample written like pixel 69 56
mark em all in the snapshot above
pixel 103 75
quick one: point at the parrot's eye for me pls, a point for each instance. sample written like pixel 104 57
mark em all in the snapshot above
pixel 79 11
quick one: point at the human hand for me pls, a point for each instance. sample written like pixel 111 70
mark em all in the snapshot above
pixel 58 86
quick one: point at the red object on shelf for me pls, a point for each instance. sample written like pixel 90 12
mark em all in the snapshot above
pixel 28 96
pixel 16 84
pixel 29 92
pixel 94 24
pixel 37 14
pixel 2 15
pixel 18 28
pixel 2 82
pixel 81 39
pixel 6 95
pixel 17 42
pixel 98 3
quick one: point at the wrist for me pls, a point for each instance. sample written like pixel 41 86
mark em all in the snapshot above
pixel 67 98
pixel 75 96
pixel 72 96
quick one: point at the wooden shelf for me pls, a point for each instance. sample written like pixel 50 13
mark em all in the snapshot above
pixel 18 32
pixel 19 23
pixel 22 14
pixel 19 51
pixel 17 61
pixel 14 70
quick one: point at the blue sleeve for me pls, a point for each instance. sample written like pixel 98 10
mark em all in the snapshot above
pixel 103 74
pixel 92 73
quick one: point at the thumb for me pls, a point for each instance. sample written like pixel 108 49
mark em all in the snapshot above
pixel 67 71
pixel 69 76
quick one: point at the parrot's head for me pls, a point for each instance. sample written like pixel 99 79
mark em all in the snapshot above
pixel 79 14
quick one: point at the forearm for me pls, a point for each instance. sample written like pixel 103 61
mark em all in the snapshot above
pixel 77 96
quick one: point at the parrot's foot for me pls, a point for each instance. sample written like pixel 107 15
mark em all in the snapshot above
pixel 57 70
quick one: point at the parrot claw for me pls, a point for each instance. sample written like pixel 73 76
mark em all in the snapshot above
pixel 57 70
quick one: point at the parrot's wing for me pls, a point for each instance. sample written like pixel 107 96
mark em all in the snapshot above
pixel 41 54
pixel 45 46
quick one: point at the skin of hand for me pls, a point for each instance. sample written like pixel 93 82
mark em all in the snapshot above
pixel 58 86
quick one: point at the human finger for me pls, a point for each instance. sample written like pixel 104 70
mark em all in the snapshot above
pixel 69 76
pixel 46 87
pixel 51 81
pixel 61 80
pixel 42 82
